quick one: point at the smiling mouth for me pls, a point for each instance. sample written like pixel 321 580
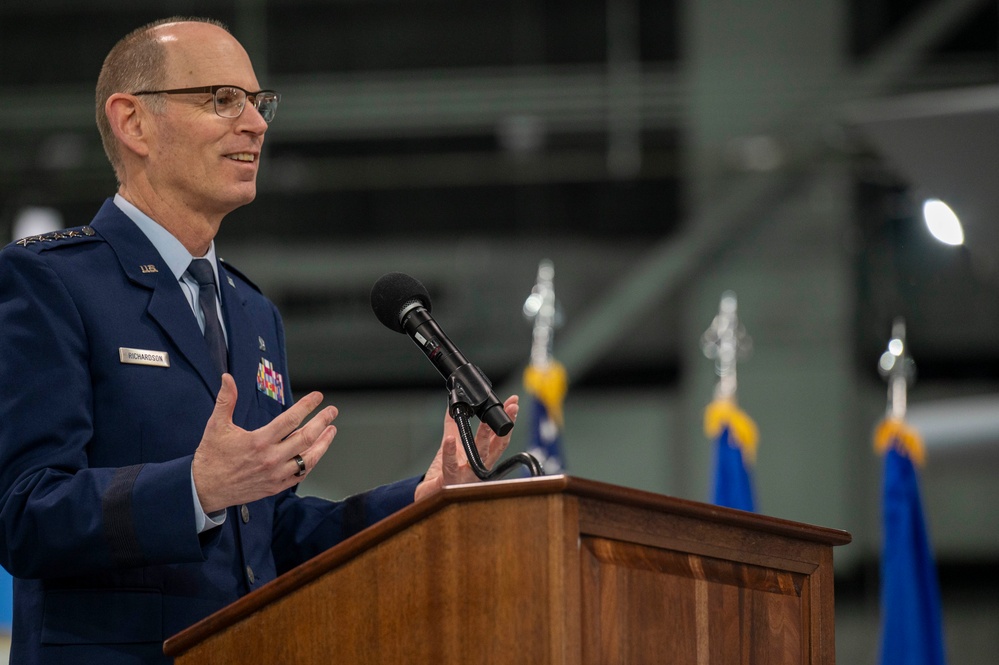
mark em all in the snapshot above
pixel 241 157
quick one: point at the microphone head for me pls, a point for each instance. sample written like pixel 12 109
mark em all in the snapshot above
pixel 392 294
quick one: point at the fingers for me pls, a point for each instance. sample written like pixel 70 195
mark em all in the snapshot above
pixel 286 423
pixel 450 467
pixel 309 443
pixel 512 406
pixel 319 422
pixel 301 469
pixel 310 456
pixel 492 447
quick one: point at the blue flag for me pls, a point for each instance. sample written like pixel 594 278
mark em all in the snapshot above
pixel 6 601
pixel 547 387
pixel 732 486
pixel 735 436
pixel 911 624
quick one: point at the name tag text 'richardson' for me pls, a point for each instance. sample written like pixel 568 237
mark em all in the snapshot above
pixel 144 357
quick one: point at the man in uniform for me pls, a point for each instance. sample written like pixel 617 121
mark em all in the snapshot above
pixel 149 447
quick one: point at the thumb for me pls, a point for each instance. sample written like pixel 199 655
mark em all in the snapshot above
pixel 225 402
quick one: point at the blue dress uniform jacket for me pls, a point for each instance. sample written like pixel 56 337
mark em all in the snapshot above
pixel 97 515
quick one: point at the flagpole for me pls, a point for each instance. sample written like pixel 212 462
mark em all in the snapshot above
pixel 898 368
pixel 734 433
pixel 545 379
pixel 725 341
pixel 911 621
pixel 540 306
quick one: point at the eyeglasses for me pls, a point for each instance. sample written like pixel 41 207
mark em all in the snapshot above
pixel 230 99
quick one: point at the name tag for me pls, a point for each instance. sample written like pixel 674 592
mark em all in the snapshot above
pixel 144 357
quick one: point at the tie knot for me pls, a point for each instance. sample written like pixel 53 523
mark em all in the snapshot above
pixel 201 271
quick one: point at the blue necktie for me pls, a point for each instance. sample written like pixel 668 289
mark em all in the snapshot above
pixel 201 271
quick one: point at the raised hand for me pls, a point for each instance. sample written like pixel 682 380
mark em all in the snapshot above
pixel 233 466
pixel 450 465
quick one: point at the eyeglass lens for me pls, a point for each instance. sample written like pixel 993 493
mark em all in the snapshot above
pixel 229 102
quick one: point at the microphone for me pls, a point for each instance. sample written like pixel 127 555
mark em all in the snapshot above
pixel 402 304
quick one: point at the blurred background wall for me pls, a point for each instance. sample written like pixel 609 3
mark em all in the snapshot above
pixel 659 153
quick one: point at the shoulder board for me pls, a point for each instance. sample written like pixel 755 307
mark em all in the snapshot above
pixel 229 267
pixel 58 237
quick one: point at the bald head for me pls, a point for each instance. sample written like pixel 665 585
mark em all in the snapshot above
pixel 139 61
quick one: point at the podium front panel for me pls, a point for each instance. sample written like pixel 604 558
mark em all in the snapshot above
pixel 649 605
pixel 553 570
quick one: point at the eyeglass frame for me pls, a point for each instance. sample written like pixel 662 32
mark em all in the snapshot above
pixel 213 90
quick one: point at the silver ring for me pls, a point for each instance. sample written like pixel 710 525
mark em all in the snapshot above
pixel 301 465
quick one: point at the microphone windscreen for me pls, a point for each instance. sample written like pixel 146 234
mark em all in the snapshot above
pixel 392 293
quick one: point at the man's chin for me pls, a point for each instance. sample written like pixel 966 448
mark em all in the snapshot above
pixel 240 199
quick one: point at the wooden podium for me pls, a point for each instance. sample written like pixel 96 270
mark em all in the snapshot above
pixel 544 570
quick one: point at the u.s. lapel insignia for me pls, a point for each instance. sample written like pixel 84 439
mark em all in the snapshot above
pixel 149 268
pixel 269 381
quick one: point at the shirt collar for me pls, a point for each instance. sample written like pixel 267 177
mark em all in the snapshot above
pixel 170 249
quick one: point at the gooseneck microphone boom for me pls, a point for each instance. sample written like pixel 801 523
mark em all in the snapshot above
pixel 402 303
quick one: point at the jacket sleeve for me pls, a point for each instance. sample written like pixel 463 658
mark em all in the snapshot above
pixel 58 515
pixel 306 526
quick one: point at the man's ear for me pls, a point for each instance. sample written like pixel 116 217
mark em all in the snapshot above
pixel 128 122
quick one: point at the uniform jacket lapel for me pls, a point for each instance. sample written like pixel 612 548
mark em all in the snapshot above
pixel 242 344
pixel 168 306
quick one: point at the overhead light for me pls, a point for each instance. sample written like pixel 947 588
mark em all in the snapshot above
pixel 942 222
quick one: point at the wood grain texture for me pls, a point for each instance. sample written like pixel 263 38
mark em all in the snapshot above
pixel 548 570
pixel 662 606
